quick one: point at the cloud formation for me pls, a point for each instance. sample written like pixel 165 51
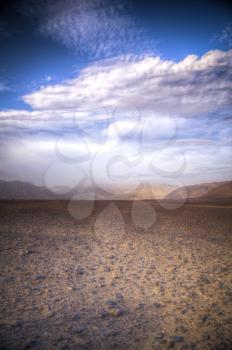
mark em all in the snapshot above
pixel 129 113
pixel 191 86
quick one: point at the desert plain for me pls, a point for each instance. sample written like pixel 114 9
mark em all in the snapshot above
pixel 107 282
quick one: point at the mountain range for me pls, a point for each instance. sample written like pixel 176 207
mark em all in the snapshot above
pixel 208 192
pixel 202 192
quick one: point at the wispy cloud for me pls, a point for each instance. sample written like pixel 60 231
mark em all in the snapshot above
pixel 4 87
pixel 4 30
pixel 96 28
pixel 225 36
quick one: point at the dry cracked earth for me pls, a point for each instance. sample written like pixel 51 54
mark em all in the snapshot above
pixel 105 283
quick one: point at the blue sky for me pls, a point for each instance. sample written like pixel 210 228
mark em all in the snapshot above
pixel 172 29
pixel 147 80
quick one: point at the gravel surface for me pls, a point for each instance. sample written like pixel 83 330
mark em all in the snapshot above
pixel 106 283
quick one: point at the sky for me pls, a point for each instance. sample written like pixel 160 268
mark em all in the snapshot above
pixel 113 94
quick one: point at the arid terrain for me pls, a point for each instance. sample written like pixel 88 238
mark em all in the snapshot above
pixel 105 283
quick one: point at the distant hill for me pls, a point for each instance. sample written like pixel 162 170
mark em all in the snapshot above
pixel 23 190
pixel 204 192
pixel 147 191
pixel 224 190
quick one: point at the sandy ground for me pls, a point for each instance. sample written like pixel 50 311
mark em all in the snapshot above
pixel 105 283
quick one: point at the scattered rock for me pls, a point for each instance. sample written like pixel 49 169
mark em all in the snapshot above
pixel 107 269
pixel 160 336
pixel 79 330
pixel 145 288
pixel 141 306
pixel 39 277
pixel 206 336
pixel 176 339
pixel 80 270
pixel 188 307
pixel 112 333
pixel 112 303
pixel 31 344
pixel 104 314
pixel 102 285
pixel 115 312
pixel 204 279
pixel 157 305
pixel 76 317
pixel 221 285
pixel 23 252
pixel 119 297
pixel 205 318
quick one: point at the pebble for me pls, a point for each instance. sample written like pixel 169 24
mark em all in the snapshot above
pixel 107 269
pixel 31 344
pixel 205 318
pixel 177 338
pixel 79 330
pixel 115 312
pixel 157 305
pixel 23 252
pixel 112 303
pixel 80 270
pixel 141 306
pixel 205 279
pixel 40 277
pixel 104 314
pixel 160 336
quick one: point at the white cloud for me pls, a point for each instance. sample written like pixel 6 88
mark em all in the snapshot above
pixel 176 105
pixel 114 167
pixel 191 86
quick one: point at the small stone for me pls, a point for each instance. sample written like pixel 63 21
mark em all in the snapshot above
pixel 80 270
pixel 157 305
pixel 205 279
pixel 23 252
pixel 116 312
pixel 112 333
pixel 119 297
pixel 79 330
pixel 205 318
pixel 141 306
pixel 39 277
pixel 69 288
pixel 76 317
pixel 111 303
pixel 206 336
pixel 177 338
pixel 31 344
pixel 160 335
pixel 104 314
pixel 221 285
pixel 107 269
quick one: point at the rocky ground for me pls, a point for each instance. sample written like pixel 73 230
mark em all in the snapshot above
pixel 105 283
